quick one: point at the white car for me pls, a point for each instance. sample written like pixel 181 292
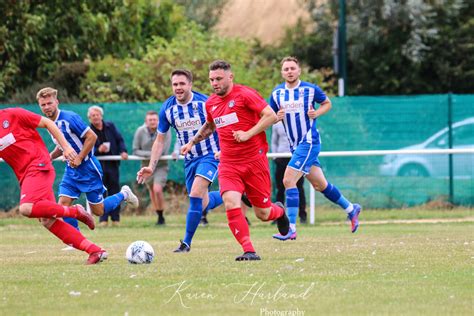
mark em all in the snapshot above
pixel 435 165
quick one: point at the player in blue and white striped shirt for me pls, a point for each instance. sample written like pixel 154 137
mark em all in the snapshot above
pixel 294 102
pixel 84 174
pixel 185 111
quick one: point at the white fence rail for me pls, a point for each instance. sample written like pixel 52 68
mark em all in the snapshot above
pixel 312 200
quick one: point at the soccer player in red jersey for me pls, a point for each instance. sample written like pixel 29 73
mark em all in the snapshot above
pixel 25 152
pixel 240 116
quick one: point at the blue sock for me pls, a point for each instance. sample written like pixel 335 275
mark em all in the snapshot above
pixel 333 194
pixel 215 200
pixel 292 206
pixel 111 202
pixel 72 221
pixel 193 218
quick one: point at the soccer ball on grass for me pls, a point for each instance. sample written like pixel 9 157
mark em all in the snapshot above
pixel 140 252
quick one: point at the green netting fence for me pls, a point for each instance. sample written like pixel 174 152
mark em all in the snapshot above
pixel 354 123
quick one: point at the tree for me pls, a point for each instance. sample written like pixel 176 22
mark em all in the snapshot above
pixel 148 79
pixel 36 37
pixel 397 47
pixel 204 12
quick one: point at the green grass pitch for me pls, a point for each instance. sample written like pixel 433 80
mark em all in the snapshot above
pixel 420 268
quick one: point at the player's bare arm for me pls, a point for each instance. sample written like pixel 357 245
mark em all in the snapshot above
pixel 156 152
pixel 267 118
pixel 324 107
pixel 55 153
pixel 68 152
pixel 280 115
pixel 89 140
pixel 204 132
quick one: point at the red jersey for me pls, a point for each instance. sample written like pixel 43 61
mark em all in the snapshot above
pixel 239 110
pixel 21 146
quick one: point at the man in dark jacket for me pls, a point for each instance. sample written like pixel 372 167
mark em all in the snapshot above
pixel 109 142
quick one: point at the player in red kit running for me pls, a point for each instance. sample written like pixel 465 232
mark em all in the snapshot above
pixel 25 152
pixel 240 116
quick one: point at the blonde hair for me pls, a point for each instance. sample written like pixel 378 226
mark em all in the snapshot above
pixel 290 58
pixel 46 92
pixel 95 108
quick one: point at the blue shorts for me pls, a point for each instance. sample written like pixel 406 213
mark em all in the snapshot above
pixel 204 166
pixel 87 178
pixel 304 157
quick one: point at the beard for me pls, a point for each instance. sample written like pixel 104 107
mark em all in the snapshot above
pixel 222 91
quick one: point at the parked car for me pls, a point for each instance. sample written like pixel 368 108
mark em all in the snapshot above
pixel 418 165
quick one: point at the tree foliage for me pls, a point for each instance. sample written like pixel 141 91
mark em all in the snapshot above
pixel 148 79
pixel 36 37
pixel 396 47
pixel 204 12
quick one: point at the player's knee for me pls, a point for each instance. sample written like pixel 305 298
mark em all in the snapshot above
pixel 157 189
pixel 229 205
pixel 198 192
pixel 261 214
pixel 47 222
pixel 288 183
pixel 318 187
pixel 97 209
pixel 25 209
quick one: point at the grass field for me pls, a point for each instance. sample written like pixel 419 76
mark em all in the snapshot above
pixel 421 268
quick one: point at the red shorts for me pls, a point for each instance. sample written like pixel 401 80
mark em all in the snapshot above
pixel 37 185
pixel 252 177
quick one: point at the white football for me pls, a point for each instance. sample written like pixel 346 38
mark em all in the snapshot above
pixel 140 252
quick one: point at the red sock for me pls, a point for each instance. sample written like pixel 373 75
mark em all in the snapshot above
pixel 240 229
pixel 70 236
pixel 48 209
pixel 275 212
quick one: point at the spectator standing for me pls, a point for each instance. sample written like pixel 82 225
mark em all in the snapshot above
pixel 109 142
pixel 142 143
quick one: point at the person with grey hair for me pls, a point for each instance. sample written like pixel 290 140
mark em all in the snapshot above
pixel 109 142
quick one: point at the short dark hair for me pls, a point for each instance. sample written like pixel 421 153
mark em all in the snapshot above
pixel 219 64
pixel 151 112
pixel 290 58
pixel 183 72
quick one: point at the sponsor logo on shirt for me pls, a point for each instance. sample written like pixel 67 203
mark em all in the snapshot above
pixel 6 141
pixel 225 120
pixel 213 108
pixel 5 124
pixel 188 124
pixel 293 106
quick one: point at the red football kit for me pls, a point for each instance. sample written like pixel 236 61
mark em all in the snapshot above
pixel 24 151
pixel 243 166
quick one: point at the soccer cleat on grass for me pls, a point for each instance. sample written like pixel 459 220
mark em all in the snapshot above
pixel 283 222
pixel 248 256
pixel 354 217
pixel 290 236
pixel 97 257
pixel 132 199
pixel 183 247
pixel 84 217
